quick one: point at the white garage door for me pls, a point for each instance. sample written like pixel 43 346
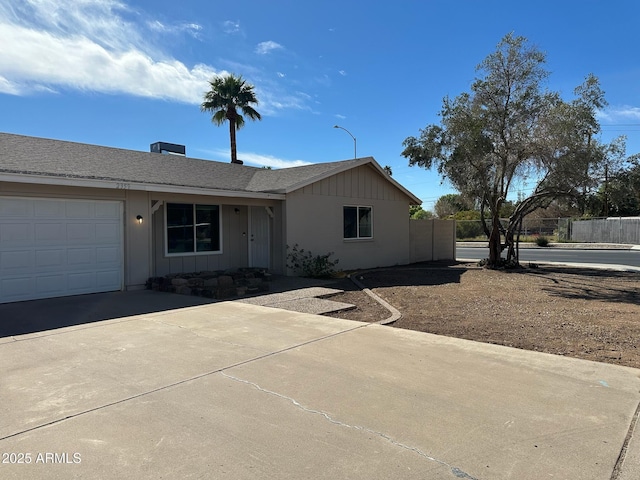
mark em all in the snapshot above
pixel 53 247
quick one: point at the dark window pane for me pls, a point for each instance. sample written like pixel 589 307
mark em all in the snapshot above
pixel 364 222
pixel 350 222
pixel 179 215
pixel 179 228
pixel 207 228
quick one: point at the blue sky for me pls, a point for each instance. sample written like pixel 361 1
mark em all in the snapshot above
pixel 132 72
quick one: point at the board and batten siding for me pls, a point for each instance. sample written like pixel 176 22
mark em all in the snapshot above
pixel 314 219
pixel 234 244
pixel 362 182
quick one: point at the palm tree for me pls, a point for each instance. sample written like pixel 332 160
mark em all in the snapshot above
pixel 228 94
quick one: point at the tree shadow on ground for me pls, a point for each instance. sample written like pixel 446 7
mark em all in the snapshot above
pixel 588 284
pixel 416 274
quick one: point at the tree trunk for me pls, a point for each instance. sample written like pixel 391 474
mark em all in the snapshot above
pixel 495 246
pixel 232 136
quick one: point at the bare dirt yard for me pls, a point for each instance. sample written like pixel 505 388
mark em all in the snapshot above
pixel 583 313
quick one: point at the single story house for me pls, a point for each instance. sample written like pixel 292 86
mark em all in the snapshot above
pixel 77 218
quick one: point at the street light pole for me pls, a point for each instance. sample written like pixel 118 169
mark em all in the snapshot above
pixel 355 151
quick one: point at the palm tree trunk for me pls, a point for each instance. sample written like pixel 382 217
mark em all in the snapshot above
pixel 232 136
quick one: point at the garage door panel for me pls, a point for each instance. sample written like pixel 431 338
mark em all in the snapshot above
pixel 51 285
pixel 80 282
pixel 16 261
pixel 107 255
pixel 50 233
pixel 107 211
pixel 50 258
pixel 48 208
pixel 107 233
pixel 57 247
pixel 16 208
pixel 81 233
pixel 82 256
pixel 79 210
pixel 16 234
pixel 16 288
pixel 108 279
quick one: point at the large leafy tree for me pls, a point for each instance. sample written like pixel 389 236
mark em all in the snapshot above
pixel 230 99
pixel 510 127
pixel 619 195
pixel 450 204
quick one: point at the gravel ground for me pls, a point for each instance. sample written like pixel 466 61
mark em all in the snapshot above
pixel 583 313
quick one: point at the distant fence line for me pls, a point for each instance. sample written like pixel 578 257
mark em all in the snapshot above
pixel 625 230
pixel 607 230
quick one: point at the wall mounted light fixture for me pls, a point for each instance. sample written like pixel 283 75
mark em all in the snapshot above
pixel 139 219
pixel 237 210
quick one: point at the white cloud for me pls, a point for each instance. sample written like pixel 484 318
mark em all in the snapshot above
pixel 89 45
pixel 620 114
pixel 267 47
pixel 231 27
pixel 257 159
pixel 281 75
pixel 9 87
pixel 269 161
pixel 106 46
pixel 192 29
pixel 341 117
pixel 40 59
pixel 343 73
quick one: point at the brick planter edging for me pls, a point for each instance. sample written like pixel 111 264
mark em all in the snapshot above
pixel 219 284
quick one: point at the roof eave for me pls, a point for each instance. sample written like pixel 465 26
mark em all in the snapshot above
pixel 124 185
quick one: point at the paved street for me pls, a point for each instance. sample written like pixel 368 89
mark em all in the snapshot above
pixel 562 255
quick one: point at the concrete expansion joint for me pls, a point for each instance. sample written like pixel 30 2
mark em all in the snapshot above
pixel 395 314
pixel 458 473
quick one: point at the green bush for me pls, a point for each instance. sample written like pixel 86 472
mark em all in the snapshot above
pixel 468 225
pixel 542 241
pixel 315 266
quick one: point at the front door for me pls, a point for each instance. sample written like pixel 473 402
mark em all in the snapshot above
pixel 259 244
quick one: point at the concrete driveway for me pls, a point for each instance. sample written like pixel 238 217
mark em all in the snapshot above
pixel 237 391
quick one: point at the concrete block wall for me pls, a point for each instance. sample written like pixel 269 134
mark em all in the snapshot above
pixel 431 240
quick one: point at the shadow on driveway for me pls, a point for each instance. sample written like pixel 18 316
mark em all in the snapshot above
pixel 32 316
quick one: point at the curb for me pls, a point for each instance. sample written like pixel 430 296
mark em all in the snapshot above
pixel 395 314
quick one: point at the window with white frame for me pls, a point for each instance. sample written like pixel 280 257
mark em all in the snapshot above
pixel 192 229
pixel 358 222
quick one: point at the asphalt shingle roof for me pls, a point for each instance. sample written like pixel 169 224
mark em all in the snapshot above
pixel 56 158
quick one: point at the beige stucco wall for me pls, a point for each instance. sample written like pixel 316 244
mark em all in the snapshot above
pixel 314 219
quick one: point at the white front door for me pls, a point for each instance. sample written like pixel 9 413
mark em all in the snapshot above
pixel 259 238
pixel 55 247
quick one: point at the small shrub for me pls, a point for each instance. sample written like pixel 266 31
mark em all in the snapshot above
pixel 542 241
pixel 315 266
